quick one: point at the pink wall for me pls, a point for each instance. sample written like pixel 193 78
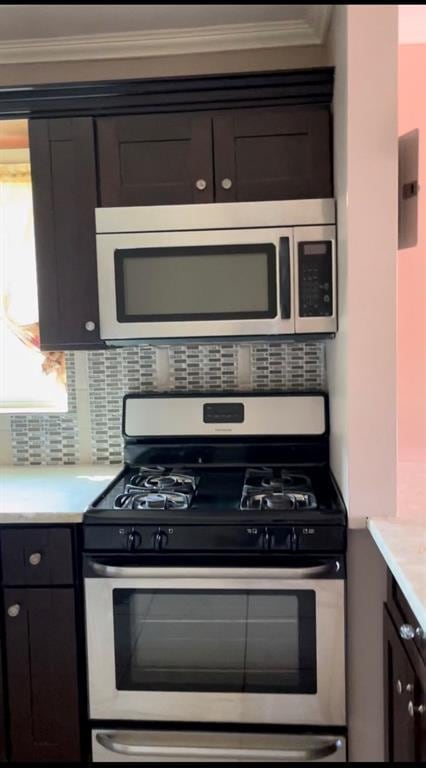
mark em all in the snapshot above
pixel 411 292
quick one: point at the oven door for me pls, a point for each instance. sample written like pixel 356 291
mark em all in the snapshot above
pixel 195 284
pixel 242 645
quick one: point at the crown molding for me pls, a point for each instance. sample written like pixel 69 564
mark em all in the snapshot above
pixel 166 42
pixel 319 18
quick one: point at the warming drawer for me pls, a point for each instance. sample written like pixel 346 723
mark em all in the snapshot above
pixel 208 746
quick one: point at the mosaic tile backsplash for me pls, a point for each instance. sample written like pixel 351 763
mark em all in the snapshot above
pixel 48 438
pixel 54 439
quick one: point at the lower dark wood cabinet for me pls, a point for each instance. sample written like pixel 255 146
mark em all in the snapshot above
pixel 42 675
pixel 2 708
pixel 404 698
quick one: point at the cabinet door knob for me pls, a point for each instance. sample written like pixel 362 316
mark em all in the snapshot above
pixel 90 325
pixel 35 558
pixel 226 183
pixel 407 632
pixel 201 184
pixel 398 686
pixel 13 610
pixel 413 710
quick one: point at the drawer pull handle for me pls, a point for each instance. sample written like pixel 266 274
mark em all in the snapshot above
pixel 35 558
pixel 90 325
pixel 201 184
pixel 226 183
pixel 407 632
pixel 413 710
pixel 399 687
pixel 14 610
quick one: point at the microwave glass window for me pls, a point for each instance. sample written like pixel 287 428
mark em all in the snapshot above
pixel 210 282
pixel 229 641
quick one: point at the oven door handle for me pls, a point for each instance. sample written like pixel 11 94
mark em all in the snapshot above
pixel 115 742
pixel 223 574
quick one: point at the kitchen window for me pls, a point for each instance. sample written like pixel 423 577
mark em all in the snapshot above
pixel 30 380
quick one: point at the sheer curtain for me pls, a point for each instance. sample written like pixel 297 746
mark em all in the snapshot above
pixel 29 379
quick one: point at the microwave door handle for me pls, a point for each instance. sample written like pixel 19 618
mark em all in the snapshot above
pixel 285 278
pixel 222 574
pixel 117 743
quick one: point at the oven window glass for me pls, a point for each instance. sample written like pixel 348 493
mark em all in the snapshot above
pixel 229 641
pixel 196 283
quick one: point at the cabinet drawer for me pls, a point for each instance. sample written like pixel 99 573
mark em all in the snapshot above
pixel 402 614
pixel 36 556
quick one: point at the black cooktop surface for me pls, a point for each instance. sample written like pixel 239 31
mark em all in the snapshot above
pixel 202 495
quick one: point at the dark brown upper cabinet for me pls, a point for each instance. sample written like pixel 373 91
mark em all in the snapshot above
pixel 155 159
pixel 264 136
pixel 251 154
pixel 275 154
pixel 63 171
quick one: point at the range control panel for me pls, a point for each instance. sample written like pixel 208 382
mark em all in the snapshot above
pixel 211 538
pixel 315 266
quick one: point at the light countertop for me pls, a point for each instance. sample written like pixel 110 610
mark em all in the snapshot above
pixel 54 494
pixel 403 546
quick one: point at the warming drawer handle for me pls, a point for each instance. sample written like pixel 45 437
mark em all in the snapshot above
pixel 181 574
pixel 112 743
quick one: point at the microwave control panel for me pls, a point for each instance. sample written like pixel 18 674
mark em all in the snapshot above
pixel 315 267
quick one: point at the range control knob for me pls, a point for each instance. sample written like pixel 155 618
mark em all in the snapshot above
pixel 134 540
pixel 160 540
pixel 266 539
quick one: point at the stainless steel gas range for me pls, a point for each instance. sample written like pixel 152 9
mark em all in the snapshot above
pixel 214 574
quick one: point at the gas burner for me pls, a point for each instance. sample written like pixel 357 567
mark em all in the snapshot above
pixel 154 470
pixel 267 501
pixel 278 501
pixel 173 481
pixel 148 500
pixel 137 481
pixel 161 480
pixel 276 481
pixel 302 500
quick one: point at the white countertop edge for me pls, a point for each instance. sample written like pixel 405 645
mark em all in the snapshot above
pixel 357 523
pixel 408 589
pixel 39 518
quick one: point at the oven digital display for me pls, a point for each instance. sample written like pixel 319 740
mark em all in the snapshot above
pixel 223 413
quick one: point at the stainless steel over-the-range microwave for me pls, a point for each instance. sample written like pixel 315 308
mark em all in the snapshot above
pixel 249 269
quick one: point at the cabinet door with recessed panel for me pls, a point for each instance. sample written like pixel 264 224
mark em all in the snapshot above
pixel 272 154
pixel 160 159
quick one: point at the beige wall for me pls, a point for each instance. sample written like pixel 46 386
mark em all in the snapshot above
pixel 291 57
pixel 361 362
pixel 337 349
pixel 361 365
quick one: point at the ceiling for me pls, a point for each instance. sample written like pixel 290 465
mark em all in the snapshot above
pixel 67 32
